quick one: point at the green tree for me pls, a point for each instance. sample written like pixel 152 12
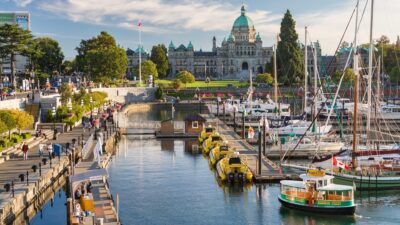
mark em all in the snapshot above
pixel 394 75
pixel 383 40
pixel 68 67
pixel 265 78
pixel 3 128
pixel 50 57
pixel 348 78
pixel 8 120
pixel 14 40
pixel 159 94
pixel 185 76
pixel 289 55
pixel 23 120
pixel 102 58
pixel 65 92
pixel 269 67
pixel 159 57
pixel 148 68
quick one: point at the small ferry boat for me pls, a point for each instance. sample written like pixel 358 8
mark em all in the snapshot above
pixel 233 168
pixel 206 133
pixel 219 153
pixel 317 193
pixel 211 142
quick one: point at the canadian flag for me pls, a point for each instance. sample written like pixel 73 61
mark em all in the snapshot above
pixel 340 164
pixel 139 23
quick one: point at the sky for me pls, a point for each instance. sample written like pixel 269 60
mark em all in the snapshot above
pixel 181 21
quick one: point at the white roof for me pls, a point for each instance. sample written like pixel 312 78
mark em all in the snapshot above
pixel 335 187
pixel 293 183
pixel 305 177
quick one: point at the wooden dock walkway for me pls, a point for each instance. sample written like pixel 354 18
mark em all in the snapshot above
pixel 269 170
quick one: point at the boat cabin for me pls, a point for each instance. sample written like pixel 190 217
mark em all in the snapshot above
pixel 318 190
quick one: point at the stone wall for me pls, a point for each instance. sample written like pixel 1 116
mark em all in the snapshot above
pixel 129 94
pixel 18 103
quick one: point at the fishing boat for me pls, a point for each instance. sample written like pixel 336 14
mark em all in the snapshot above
pixel 206 133
pixel 211 142
pixel 219 152
pixel 317 193
pixel 303 127
pixel 233 168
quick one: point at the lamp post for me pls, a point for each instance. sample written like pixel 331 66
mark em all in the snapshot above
pixel 69 105
pixel 53 113
pixel 91 107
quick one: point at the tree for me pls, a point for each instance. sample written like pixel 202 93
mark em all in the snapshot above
pixel 8 120
pixel 102 58
pixel 159 57
pixel 148 68
pixel 344 44
pixel 65 92
pixel 185 77
pixel 159 94
pixel 265 78
pixel 50 57
pixel 14 40
pixel 269 66
pixel 22 119
pixel 289 55
pixel 3 128
pixel 383 40
pixel 348 78
pixel 68 67
pixel 394 75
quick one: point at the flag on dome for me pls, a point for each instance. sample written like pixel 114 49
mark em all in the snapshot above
pixel 139 23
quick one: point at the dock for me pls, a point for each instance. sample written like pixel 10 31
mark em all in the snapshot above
pixel 270 171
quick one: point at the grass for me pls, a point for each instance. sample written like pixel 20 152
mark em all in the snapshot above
pixel 211 84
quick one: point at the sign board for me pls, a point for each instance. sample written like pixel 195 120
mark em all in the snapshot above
pixel 315 173
pixel 6 18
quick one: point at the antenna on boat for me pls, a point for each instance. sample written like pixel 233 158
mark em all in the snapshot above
pixel 356 84
pixel 305 69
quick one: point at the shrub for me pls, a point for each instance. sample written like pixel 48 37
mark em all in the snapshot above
pixel 15 138
pixel 185 77
pixel 159 94
pixel 26 135
pixel 178 85
pixel 264 78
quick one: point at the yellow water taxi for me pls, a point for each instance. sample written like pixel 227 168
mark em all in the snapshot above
pixel 233 168
pixel 206 133
pixel 219 152
pixel 211 142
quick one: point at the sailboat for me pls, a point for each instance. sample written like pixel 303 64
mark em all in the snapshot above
pixel 366 177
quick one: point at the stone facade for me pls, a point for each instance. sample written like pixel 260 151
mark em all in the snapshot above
pixel 133 60
pixel 238 54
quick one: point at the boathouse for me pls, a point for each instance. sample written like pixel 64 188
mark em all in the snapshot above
pixel 194 124
pixel 167 127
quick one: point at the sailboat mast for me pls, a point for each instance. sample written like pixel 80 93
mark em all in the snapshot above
pixel 371 49
pixel 378 81
pixel 305 69
pixel 275 77
pixel 356 91
pixel 315 80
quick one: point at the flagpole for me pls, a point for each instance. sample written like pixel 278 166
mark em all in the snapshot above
pixel 140 55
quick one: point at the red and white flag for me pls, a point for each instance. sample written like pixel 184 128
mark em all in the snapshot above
pixel 139 23
pixel 340 164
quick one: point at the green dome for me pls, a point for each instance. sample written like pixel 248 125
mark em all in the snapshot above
pixel 243 20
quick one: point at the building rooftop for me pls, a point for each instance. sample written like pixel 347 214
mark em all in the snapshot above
pixel 243 20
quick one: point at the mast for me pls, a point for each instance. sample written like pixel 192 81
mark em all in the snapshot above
pixel 371 48
pixel 356 87
pixel 140 56
pixel 251 90
pixel 305 69
pixel 378 81
pixel 275 78
pixel 315 87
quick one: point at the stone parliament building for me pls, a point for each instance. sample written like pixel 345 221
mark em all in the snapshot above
pixel 239 54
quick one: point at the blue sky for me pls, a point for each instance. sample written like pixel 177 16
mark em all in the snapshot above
pixel 181 21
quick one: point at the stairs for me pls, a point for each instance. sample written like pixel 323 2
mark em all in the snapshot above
pixel 33 110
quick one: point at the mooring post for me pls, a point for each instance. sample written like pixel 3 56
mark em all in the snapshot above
pixel 264 136
pixel 234 120
pixel 27 177
pixel 40 169
pixel 259 152
pixel 243 126
pixel 12 188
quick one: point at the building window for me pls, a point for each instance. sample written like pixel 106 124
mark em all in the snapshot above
pixel 195 124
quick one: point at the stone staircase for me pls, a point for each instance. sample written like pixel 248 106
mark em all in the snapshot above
pixel 33 110
pixel 15 151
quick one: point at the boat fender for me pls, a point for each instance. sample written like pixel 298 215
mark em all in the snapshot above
pixel 231 177
pixel 240 177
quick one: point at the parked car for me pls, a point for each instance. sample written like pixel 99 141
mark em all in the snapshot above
pixel 53 90
pixel 263 85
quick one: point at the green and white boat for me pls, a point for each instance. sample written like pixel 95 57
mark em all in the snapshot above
pixel 317 193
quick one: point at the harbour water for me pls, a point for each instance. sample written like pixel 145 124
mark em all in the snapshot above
pixel 161 182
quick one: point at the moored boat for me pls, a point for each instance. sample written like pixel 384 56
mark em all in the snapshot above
pixel 206 133
pixel 211 142
pixel 233 168
pixel 219 153
pixel 317 193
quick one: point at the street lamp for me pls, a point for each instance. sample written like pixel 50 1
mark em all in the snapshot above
pixel 53 113
pixel 91 107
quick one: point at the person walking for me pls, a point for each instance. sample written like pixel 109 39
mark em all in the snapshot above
pixel 50 150
pixel 25 149
pixel 41 149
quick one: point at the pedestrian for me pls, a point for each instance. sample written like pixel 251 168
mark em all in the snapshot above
pixel 50 150
pixel 41 149
pixel 25 149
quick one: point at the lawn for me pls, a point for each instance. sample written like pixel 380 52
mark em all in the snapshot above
pixel 211 84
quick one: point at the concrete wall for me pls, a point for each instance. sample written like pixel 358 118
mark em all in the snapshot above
pixel 18 103
pixel 129 94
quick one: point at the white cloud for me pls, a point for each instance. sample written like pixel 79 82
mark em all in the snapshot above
pixel 22 3
pixel 165 16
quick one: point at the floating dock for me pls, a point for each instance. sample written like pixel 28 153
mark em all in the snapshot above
pixel 270 171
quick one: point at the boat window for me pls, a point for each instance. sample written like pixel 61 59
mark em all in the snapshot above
pixel 234 161
pixel 215 138
pixel 195 124
pixel 320 182
pixel 208 130
pixel 396 110
pixel 325 182
pixel 223 148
